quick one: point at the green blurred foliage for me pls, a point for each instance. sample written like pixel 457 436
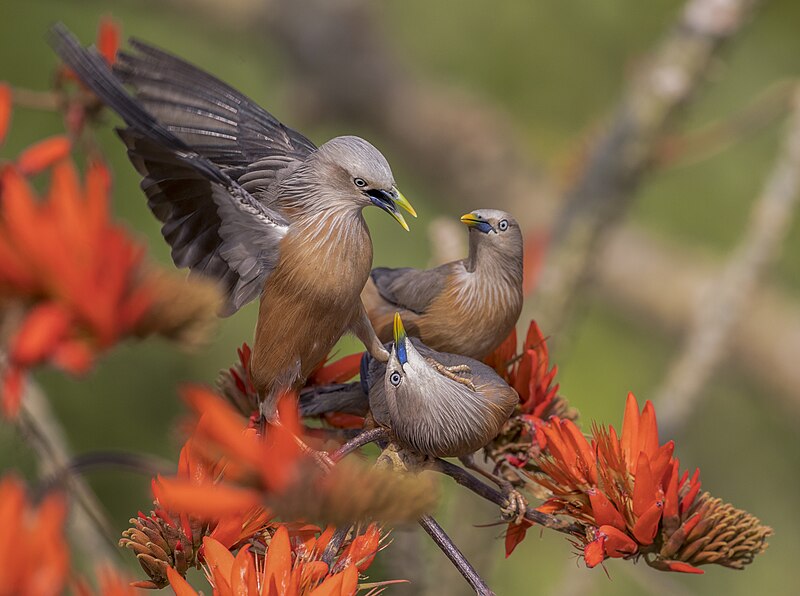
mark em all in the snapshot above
pixel 556 67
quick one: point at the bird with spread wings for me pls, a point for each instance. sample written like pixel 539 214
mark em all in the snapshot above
pixel 249 202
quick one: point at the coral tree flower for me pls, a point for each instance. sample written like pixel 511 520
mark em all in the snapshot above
pixel 237 386
pixel 73 283
pixel 531 375
pixel 289 567
pixel 628 492
pixel 166 539
pixel 34 554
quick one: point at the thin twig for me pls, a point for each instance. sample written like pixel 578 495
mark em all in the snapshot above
pixel 80 464
pixel 36 100
pixel 465 479
pixel 703 143
pixel 725 303
pixel 91 530
pixel 334 545
pixel 443 541
pixel 366 437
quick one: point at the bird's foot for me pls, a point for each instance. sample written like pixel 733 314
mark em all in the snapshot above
pixel 453 372
pixel 515 507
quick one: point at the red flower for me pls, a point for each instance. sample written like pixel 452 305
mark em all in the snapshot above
pixel 42 155
pixel 339 371
pixel 531 375
pixel 5 110
pixel 236 384
pixel 77 271
pixel 34 553
pixel 290 567
pixel 629 495
pixel 72 282
pixel 259 464
pixel 529 372
pixel 170 538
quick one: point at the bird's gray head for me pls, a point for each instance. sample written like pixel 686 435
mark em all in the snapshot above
pixel 357 173
pixel 408 375
pixel 405 365
pixel 495 232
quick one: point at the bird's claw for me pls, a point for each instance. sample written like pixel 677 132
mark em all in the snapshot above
pixel 515 507
pixel 453 372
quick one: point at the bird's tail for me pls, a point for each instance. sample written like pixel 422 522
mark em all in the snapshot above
pixel 94 72
pixel 348 398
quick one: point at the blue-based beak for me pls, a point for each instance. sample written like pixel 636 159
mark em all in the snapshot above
pixel 476 221
pixel 389 200
pixel 400 338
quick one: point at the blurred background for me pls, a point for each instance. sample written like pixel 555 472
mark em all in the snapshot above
pixel 508 105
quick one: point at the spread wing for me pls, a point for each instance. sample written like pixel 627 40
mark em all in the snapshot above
pixel 411 289
pixel 212 118
pixel 214 225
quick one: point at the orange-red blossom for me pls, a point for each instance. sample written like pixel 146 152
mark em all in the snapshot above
pixel 34 554
pixel 284 570
pixel 630 496
pixel 74 274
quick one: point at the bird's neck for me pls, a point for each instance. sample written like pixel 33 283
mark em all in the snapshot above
pixel 486 260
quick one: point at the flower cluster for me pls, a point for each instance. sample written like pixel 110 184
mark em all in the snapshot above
pixel 531 375
pixel 235 479
pixel 164 539
pixel 291 565
pixel 35 553
pixel 72 282
pixel 628 493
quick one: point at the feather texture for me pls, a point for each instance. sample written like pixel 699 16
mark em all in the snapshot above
pixel 214 226
pixel 465 307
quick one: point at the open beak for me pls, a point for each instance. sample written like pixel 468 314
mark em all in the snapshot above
pixel 400 339
pixel 476 221
pixel 403 202
pixel 388 201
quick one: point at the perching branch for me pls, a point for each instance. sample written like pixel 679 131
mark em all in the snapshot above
pixel 465 479
pixel 726 301
pixel 364 438
pixel 460 562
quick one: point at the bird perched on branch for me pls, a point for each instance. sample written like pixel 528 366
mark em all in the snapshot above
pixel 433 403
pixel 437 404
pixel 464 307
pixel 251 203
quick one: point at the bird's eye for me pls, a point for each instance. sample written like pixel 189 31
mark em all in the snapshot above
pixel 395 378
pixel 359 182
pixel 503 225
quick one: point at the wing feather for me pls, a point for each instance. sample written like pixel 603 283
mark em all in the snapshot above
pixel 411 289
pixel 213 224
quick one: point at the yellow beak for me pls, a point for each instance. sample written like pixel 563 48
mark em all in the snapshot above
pixel 470 219
pixel 403 202
pixel 399 330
